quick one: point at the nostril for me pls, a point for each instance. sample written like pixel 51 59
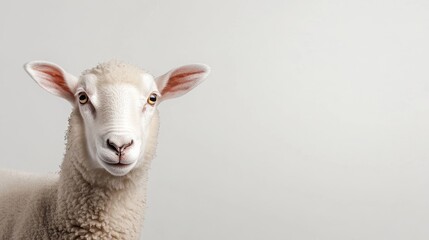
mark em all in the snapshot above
pixel 118 149
pixel 112 146
pixel 125 146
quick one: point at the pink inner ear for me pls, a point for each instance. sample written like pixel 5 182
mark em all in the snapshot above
pixel 180 81
pixel 54 76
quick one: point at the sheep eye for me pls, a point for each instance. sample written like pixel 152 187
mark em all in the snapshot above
pixel 83 98
pixel 152 99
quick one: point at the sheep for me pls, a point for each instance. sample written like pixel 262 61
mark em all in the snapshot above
pixel 100 191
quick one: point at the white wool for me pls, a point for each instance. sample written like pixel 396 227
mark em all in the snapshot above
pixel 115 71
pixel 56 208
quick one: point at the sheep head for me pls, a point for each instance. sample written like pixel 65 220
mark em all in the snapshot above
pixel 117 103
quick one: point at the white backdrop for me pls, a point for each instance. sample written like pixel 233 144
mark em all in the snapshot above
pixel 314 123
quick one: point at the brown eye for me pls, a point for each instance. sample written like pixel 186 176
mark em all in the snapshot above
pixel 83 98
pixel 152 99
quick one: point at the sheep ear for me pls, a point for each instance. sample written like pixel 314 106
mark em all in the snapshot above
pixel 52 78
pixel 181 80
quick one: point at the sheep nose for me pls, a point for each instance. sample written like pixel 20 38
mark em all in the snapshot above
pixel 118 146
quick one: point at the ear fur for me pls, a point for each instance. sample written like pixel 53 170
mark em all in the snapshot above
pixel 181 80
pixel 52 78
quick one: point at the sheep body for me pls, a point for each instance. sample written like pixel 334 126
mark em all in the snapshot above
pixel 73 206
pixel 19 195
pixel 86 201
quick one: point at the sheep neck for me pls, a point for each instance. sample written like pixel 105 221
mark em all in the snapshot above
pixel 94 203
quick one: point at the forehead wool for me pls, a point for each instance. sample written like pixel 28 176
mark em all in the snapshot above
pixel 115 71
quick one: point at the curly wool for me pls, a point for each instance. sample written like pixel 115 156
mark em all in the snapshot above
pixel 115 71
pixel 79 203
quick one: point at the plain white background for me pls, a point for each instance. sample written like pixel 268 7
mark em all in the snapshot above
pixel 314 123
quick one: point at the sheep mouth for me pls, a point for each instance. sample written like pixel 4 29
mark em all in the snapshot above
pixel 118 168
pixel 118 164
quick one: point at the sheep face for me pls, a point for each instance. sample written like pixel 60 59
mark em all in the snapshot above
pixel 117 103
pixel 116 116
